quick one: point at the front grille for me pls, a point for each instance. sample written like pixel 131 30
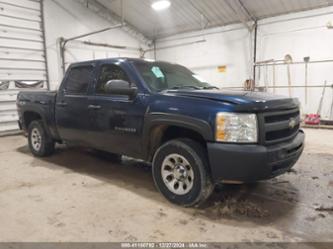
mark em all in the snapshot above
pixel 280 126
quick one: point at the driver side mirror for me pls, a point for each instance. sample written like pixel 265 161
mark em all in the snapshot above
pixel 120 87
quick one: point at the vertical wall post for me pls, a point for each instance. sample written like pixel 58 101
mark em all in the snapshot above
pixel 154 43
pixel 42 27
pixel 255 52
pixel 62 44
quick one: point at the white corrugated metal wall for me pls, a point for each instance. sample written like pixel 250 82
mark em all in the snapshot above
pixel 22 54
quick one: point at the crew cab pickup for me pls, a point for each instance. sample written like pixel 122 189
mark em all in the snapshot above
pixel 193 134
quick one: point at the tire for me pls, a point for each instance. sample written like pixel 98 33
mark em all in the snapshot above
pixel 171 172
pixel 40 142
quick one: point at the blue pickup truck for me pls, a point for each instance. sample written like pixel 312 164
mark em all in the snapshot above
pixel 194 134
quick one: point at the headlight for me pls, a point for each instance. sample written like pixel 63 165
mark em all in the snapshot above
pixel 236 127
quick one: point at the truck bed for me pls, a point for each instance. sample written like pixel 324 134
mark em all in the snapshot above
pixel 42 102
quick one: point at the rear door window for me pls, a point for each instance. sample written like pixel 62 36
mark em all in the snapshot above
pixel 78 80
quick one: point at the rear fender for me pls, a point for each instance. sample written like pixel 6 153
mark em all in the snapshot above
pixel 42 113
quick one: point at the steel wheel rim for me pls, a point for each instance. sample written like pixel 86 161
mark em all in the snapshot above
pixel 36 139
pixel 177 174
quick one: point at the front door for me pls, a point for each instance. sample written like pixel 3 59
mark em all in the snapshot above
pixel 119 120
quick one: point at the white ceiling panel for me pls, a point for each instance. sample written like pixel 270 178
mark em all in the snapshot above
pixel 188 15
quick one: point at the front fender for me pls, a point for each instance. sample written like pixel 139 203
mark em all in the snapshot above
pixel 167 119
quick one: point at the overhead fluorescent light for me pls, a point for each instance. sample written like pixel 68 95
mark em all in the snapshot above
pixel 161 5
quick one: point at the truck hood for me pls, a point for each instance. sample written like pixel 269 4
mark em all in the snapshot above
pixel 243 100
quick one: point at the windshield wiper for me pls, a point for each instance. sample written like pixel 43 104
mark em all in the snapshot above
pixel 183 87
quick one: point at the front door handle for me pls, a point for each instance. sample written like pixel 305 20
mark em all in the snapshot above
pixel 94 107
pixel 62 104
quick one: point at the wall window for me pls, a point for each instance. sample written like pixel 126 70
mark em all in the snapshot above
pixel 110 72
pixel 79 79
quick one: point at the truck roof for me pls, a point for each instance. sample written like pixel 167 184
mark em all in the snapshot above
pixel 115 59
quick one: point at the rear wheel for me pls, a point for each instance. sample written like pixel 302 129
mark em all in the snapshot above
pixel 40 143
pixel 180 172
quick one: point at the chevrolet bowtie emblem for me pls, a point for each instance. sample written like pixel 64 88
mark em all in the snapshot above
pixel 292 123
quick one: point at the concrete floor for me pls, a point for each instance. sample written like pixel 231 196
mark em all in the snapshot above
pixel 75 195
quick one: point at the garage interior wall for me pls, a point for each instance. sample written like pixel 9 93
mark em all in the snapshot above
pixel 68 19
pixel 299 34
pixel 62 19
pixel 22 55
pixel 204 51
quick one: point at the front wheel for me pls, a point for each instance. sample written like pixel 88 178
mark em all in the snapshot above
pixel 180 172
pixel 40 143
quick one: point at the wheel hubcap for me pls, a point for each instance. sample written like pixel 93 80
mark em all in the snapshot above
pixel 36 139
pixel 177 174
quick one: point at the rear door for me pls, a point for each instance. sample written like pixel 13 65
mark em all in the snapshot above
pixel 119 120
pixel 73 116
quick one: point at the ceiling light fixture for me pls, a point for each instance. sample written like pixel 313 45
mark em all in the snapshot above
pixel 161 5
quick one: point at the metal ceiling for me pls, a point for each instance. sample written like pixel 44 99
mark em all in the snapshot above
pixel 188 15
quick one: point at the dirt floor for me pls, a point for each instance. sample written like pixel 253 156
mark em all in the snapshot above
pixel 76 195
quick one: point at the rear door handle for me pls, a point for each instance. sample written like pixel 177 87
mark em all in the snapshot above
pixel 62 104
pixel 41 102
pixel 94 107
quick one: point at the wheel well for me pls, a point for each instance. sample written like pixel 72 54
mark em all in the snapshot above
pixel 162 133
pixel 29 117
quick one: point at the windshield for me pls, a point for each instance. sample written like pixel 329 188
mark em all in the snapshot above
pixel 161 76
